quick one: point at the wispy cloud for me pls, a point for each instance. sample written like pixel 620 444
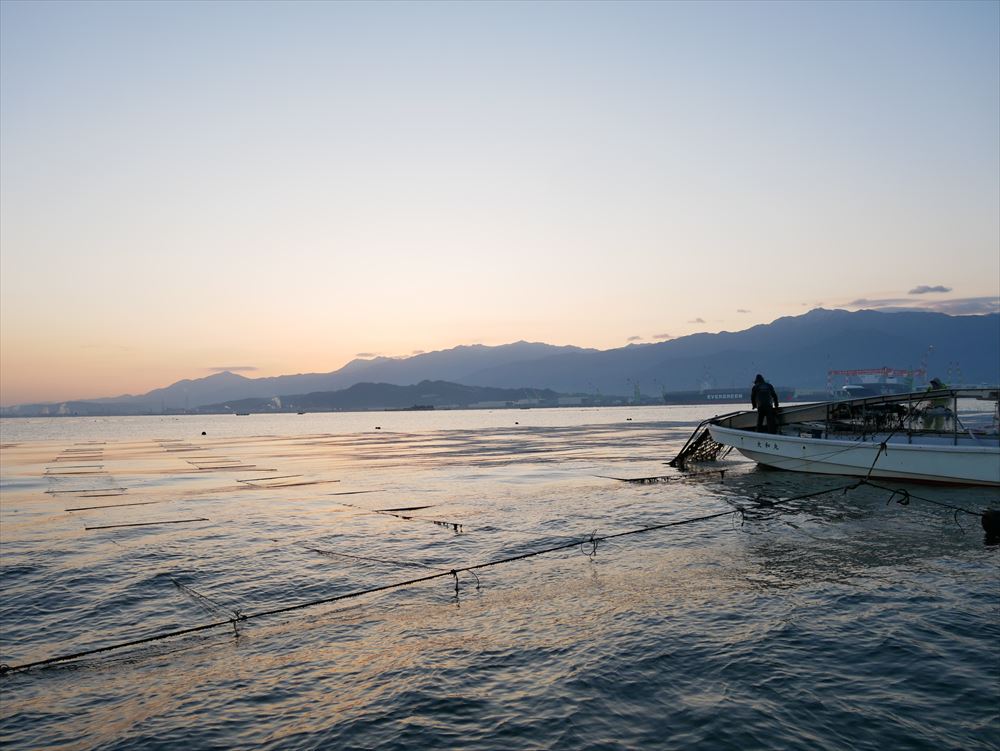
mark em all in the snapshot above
pixel 697 320
pixel 966 306
pixel 418 352
pixel 635 339
pixel 663 336
pixel 742 310
pixel 923 289
pixel 233 368
pixel 957 307
pixel 366 355
pixel 874 304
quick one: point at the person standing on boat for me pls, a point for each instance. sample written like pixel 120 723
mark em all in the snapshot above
pixel 764 399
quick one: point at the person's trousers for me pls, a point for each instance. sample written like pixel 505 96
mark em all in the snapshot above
pixel 770 417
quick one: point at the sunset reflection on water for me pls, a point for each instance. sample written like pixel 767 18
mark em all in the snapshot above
pixel 657 630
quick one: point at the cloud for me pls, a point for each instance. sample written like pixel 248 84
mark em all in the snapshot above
pixel 418 352
pixel 663 336
pixel 963 306
pixel 635 339
pixel 697 320
pixel 923 289
pixel 966 306
pixel 233 368
pixel 366 355
pixel 875 304
pixel 742 310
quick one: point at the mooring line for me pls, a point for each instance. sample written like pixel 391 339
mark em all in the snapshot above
pixel 403 508
pixel 47 473
pixel 4 669
pixel 909 494
pixel 147 524
pixel 112 505
pixel 255 486
pixel 904 497
pixel 262 479
pixel 335 554
pixel 592 540
pixel 455 526
pixel 489 526
pixel 229 467
pixel 804 496
pixel 666 478
pixel 206 602
pixel 80 490
pixel 240 617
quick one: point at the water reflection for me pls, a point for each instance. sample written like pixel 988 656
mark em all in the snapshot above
pixel 658 628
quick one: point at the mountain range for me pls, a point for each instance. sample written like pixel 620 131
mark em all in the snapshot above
pixel 794 351
pixel 386 396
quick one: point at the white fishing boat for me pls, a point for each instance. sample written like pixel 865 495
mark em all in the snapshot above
pixel 947 435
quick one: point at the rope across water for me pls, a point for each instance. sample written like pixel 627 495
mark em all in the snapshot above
pixel 903 496
pixel 239 616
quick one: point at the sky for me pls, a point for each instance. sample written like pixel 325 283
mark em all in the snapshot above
pixel 276 188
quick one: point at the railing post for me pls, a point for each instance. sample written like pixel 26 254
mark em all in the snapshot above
pixel 909 418
pixel 954 417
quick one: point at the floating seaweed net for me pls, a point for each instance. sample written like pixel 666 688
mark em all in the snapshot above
pixel 698 447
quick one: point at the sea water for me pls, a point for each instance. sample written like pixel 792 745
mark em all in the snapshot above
pixel 840 621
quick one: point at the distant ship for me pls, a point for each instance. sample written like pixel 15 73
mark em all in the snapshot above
pixel 873 382
pixel 732 395
pixel 709 396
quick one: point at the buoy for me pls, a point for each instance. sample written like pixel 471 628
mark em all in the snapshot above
pixel 204 433
pixel 991 522
pixel 516 422
pixel 378 427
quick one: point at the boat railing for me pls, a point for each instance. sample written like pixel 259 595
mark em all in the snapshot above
pixel 881 417
pixel 915 414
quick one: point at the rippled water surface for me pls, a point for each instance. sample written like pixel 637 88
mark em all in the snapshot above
pixel 840 621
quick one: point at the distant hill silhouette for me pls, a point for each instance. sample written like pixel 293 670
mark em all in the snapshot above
pixel 452 365
pixel 426 394
pixel 794 351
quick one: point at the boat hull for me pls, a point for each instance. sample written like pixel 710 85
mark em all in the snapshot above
pixel 964 464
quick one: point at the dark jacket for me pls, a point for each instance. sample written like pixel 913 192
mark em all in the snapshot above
pixel 763 396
